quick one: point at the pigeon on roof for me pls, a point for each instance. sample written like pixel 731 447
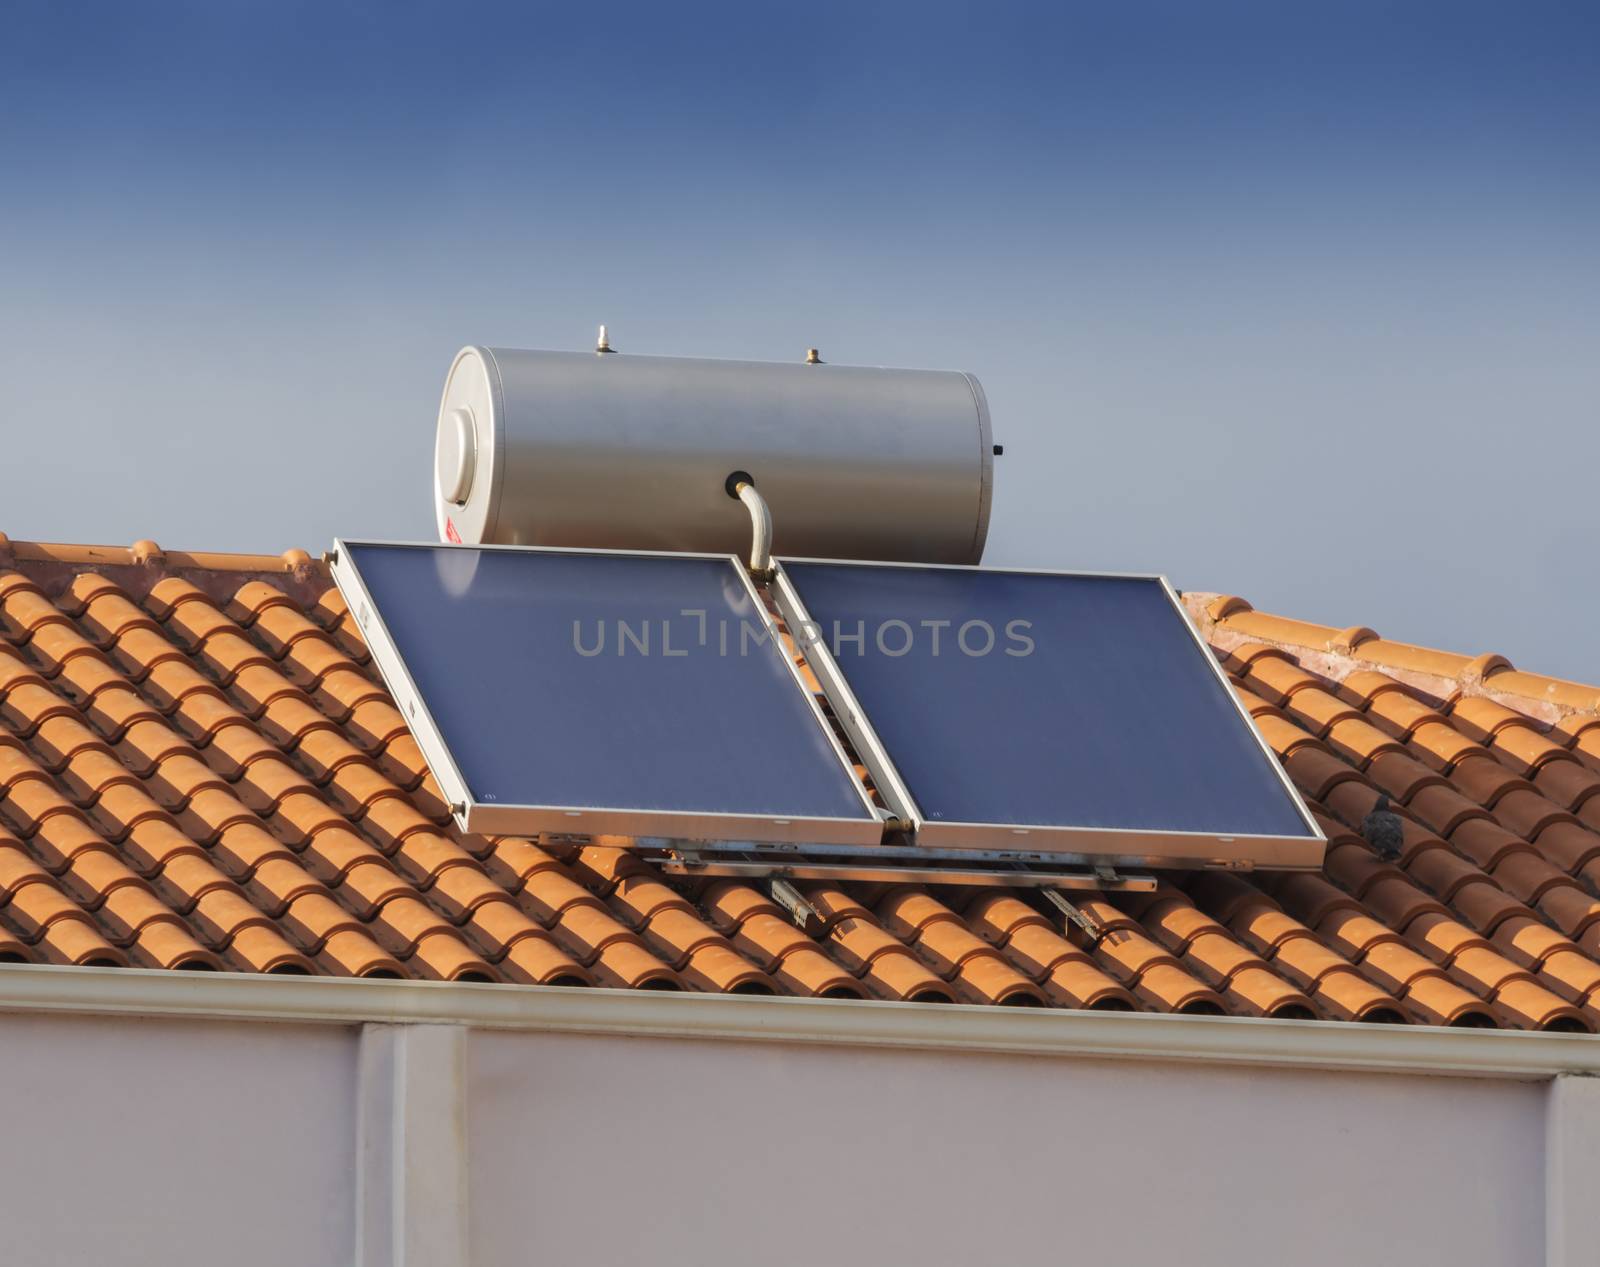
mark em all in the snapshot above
pixel 1383 831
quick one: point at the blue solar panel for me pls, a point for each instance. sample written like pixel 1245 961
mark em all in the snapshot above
pixel 1011 704
pixel 595 692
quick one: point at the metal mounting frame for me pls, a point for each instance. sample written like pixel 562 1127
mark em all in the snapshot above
pixel 690 863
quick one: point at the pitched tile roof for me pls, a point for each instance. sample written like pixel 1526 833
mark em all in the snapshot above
pixel 199 768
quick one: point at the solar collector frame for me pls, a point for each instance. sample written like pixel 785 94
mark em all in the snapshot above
pixel 1066 843
pixel 797 836
pixel 749 830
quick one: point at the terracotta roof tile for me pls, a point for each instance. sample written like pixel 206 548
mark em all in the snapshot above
pixel 626 963
pixel 442 956
pixel 1316 771
pixel 1206 948
pixel 1569 784
pixel 1030 942
pixel 1571 910
pixel 1391 707
pixel 1486 906
pixel 200 768
pixel 1401 775
pixel 168 944
pixel 1317 710
pixel 538 960
pixel 1445 874
pixel 1486 843
pixel 762 933
pixel 1360 742
pixel 953 950
pixel 1153 974
pixel 869 952
pixel 1526 813
pixel 1523 873
pixel 1440 746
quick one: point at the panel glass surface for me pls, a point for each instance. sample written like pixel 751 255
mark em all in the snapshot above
pixel 605 681
pixel 1040 700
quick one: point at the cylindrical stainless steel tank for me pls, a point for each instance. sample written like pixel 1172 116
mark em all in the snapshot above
pixel 632 452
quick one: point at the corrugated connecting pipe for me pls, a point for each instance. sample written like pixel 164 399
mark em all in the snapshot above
pixel 740 485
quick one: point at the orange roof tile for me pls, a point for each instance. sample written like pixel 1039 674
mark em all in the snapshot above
pixel 200 769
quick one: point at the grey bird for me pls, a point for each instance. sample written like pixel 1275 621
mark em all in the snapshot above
pixel 1383 831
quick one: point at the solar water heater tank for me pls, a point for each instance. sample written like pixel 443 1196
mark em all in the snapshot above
pixel 634 452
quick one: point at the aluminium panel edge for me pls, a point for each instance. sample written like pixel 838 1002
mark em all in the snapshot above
pixel 392 666
pixel 1232 696
pixel 846 707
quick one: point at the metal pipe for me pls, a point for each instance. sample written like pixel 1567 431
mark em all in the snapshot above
pixel 743 487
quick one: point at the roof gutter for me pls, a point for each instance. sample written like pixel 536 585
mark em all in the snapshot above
pixel 1416 1049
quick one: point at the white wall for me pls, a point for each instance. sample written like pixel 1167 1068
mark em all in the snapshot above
pixel 605 1150
pixel 168 1143
pixel 175 1142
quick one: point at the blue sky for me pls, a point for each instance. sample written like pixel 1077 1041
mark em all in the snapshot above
pixel 1297 302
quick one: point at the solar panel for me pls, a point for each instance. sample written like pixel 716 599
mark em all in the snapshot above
pixel 1065 713
pixel 593 692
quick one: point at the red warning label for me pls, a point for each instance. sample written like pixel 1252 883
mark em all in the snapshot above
pixel 450 532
